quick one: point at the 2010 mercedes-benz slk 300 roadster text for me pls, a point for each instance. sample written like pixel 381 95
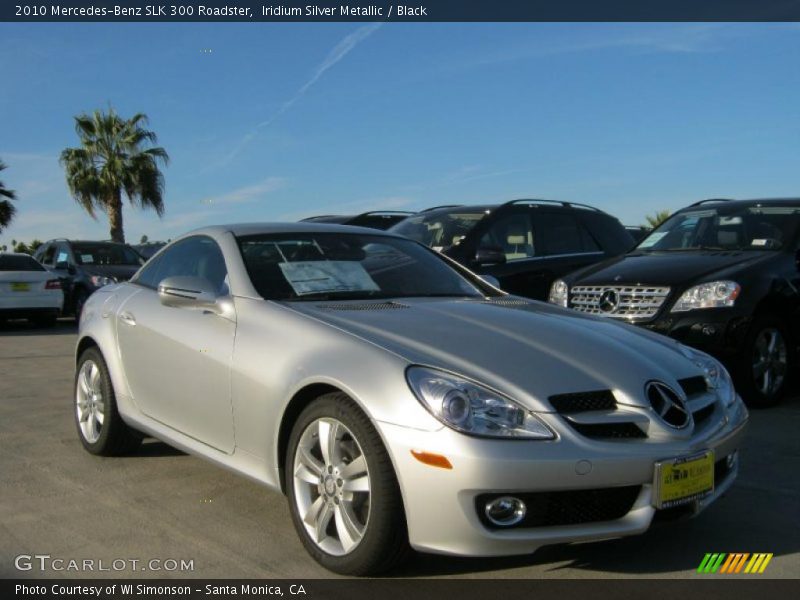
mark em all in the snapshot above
pixel 397 399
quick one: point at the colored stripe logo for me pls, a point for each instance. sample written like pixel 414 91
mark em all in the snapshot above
pixel 734 563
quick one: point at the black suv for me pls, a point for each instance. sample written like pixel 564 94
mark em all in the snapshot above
pixel 84 267
pixel 722 276
pixel 524 244
pixel 376 219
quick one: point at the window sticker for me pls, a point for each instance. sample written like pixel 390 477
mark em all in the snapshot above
pixel 313 277
pixel 87 259
pixel 652 239
pixel 758 242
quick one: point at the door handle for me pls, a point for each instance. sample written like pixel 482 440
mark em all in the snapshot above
pixel 127 318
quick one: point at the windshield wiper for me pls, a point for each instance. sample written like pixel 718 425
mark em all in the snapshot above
pixel 341 295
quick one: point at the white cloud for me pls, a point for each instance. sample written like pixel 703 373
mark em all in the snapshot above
pixel 337 53
pixel 249 193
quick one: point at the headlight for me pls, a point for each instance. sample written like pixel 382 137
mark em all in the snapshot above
pixel 716 376
pixel 100 280
pixel 559 293
pixel 715 294
pixel 470 408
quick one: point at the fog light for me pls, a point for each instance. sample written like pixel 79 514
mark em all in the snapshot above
pixel 505 511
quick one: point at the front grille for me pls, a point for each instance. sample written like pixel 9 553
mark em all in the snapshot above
pixel 693 386
pixel 609 430
pixel 631 302
pixel 552 509
pixel 583 401
pixel 364 306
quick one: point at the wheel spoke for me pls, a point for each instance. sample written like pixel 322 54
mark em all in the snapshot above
pixel 310 518
pixel 348 530
pixel 309 462
pixel 772 336
pixel 94 378
pixel 321 524
pixel 759 368
pixel 360 484
pixel 303 473
pixel 98 415
pixel 356 467
pixel 328 442
pixel 766 384
pixel 83 382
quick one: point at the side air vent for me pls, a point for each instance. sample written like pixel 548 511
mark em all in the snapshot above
pixel 583 402
pixel 363 306
pixel 609 430
pixel 693 386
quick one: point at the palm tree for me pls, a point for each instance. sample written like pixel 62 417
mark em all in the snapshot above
pixel 657 218
pixel 7 210
pixel 116 156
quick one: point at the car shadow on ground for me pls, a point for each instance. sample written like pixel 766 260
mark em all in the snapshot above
pixel 22 328
pixel 153 448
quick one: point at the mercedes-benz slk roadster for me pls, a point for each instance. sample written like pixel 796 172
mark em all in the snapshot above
pixel 397 399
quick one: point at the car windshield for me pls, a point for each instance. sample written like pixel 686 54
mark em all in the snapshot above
pixel 440 229
pixel 105 254
pixel 725 228
pixel 335 266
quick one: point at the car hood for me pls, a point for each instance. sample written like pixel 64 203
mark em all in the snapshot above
pixel 118 272
pixel 526 349
pixel 666 268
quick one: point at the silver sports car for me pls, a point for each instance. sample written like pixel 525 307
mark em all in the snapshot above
pixel 397 399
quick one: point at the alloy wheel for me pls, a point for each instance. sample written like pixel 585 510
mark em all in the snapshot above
pixel 770 361
pixel 89 401
pixel 332 486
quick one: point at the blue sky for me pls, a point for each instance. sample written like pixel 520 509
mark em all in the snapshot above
pixel 281 121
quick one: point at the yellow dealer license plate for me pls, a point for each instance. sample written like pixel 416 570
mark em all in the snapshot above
pixel 683 480
pixel 19 286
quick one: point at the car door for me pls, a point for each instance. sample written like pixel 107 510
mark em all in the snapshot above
pixel 565 246
pixel 513 234
pixel 177 361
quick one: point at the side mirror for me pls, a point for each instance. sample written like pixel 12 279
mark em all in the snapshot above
pixel 490 255
pixel 194 293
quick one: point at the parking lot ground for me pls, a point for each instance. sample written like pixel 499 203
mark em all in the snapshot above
pixel 56 499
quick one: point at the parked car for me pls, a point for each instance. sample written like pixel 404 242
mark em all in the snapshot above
pixel 524 244
pixel 84 267
pixel 148 249
pixel 377 219
pixel 28 290
pixel 397 399
pixel 719 275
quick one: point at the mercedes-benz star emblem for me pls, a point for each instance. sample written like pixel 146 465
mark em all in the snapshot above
pixel 609 301
pixel 667 404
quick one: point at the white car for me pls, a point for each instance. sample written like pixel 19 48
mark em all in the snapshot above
pixel 28 290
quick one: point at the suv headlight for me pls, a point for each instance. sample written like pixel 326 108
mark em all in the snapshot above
pixel 559 293
pixel 714 294
pixel 471 408
pixel 101 280
pixel 716 376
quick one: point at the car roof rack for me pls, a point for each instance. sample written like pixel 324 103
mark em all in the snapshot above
pixel 707 200
pixel 562 203
pixel 441 206
pixel 383 212
pixel 319 217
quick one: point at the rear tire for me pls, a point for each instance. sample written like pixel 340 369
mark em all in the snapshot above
pixel 766 365
pixel 100 427
pixel 344 500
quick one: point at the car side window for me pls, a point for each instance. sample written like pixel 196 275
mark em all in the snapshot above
pixel 561 234
pixel 197 256
pixel 513 234
pixel 49 255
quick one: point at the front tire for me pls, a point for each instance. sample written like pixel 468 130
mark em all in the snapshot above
pixel 766 363
pixel 343 494
pixel 100 427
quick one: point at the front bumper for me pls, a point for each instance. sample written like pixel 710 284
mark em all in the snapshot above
pixel 440 504
pixel 717 331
